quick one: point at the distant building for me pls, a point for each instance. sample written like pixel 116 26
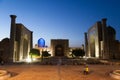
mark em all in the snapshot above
pixel 59 47
pixel 18 46
pixel 100 41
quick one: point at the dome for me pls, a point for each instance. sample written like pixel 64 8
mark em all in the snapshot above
pixel 41 42
pixel 5 40
pixel 111 30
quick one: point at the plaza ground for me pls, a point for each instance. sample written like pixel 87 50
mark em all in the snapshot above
pixel 56 72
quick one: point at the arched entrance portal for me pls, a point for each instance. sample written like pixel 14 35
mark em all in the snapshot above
pixel 59 50
pixel 25 49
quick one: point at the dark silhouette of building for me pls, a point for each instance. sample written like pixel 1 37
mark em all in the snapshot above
pixel 100 41
pixel 4 50
pixel 18 46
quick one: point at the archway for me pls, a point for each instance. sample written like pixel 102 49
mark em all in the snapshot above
pixel 25 49
pixel 59 50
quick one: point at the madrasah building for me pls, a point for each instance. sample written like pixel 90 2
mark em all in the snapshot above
pixel 20 41
pixel 100 41
pixel 17 47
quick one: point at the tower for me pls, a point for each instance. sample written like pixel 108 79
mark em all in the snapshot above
pixel 86 44
pixel 12 36
pixel 104 37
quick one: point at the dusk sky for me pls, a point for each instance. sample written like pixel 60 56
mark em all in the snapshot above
pixel 59 19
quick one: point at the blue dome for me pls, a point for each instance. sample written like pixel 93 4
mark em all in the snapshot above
pixel 41 42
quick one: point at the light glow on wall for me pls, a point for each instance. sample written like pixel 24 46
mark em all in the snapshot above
pixel 28 59
pixel 97 51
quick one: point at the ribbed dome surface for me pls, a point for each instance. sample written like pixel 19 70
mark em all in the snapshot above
pixel 111 30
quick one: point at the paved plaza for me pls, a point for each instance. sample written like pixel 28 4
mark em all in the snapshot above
pixel 56 72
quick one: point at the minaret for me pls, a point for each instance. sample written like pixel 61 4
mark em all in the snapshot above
pixel 12 37
pixel 86 44
pixel 104 35
pixel 31 40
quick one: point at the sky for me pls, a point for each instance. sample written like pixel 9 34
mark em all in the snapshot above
pixel 59 19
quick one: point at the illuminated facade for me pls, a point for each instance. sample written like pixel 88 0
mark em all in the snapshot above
pixel 20 41
pixel 100 41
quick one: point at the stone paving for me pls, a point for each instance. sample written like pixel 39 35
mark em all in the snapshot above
pixel 56 72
